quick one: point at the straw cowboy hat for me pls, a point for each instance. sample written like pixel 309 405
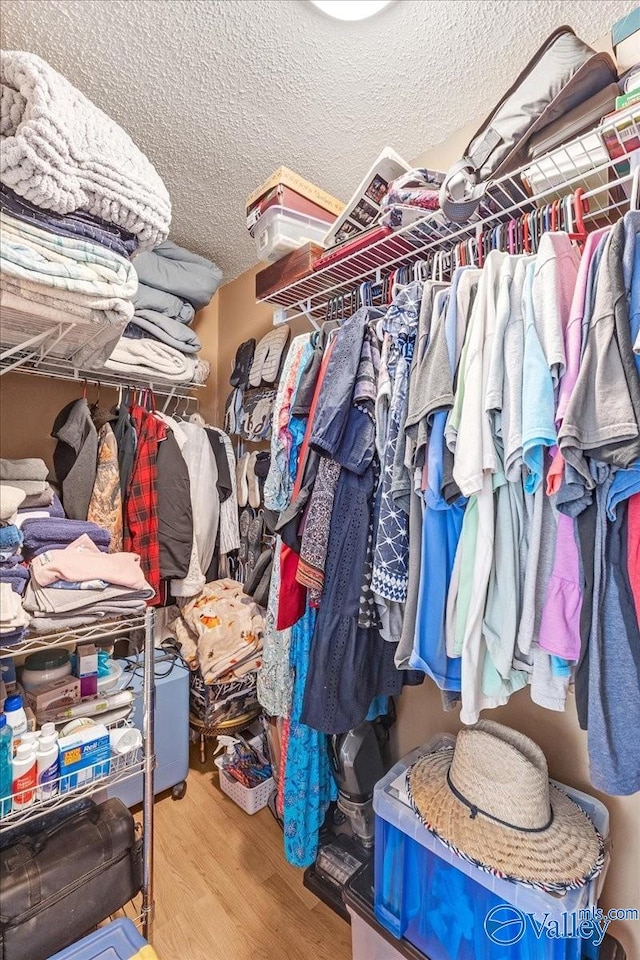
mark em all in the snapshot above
pixel 489 800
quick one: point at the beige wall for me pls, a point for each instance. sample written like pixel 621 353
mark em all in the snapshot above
pixel 240 318
pixel 28 407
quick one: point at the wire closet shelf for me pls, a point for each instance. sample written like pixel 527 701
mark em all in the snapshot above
pixel 119 767
pixel 601 169
pixel 34 345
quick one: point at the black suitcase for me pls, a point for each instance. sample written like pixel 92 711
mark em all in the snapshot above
pixel 56 885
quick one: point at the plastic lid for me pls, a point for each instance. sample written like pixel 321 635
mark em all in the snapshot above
pixel 46 743
pixel 47 660
pixel 25 750
pixel 14 702
pixel 3 721
pixel 48 729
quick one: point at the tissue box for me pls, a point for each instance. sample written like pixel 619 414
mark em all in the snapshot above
pixel 55 693
pixel 84 756
pixel 87 669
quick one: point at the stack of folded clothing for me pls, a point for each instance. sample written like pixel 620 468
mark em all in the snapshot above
pixel 78 583
pixel 411 197
pixel 56 533
pixel 78 198
pixel 173 284
pixel 13 576
pixel 30 476
pixel 13 619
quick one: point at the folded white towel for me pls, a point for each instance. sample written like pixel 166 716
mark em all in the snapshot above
pixel 11 613
pixel 144 358
pixel 10 499
pixel 62 153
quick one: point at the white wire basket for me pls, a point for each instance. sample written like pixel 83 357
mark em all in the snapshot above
pixel 251 799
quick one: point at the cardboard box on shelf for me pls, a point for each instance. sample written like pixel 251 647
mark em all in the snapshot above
pixel 56 693
pixel 294 266
pixel 285 177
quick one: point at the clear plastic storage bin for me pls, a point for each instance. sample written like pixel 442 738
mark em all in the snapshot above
pixel 280 230
pixel 438 901
pixel 118 940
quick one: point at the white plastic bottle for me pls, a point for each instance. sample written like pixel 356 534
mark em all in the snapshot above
pixel 25 776
pixel 16 718
pixel 49 730
pixel 48 768
pixel 31 737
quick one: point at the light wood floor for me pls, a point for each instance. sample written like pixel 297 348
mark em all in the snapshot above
pixel 223 889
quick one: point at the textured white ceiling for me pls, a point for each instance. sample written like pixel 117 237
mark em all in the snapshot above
pixel 219 93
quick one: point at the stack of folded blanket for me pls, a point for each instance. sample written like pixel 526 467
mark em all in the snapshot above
pixel 78 198
pixel 79 583
pixel 13 618
pixel 13 576
pixel 30 476
pixel 57 573
pixel 173 284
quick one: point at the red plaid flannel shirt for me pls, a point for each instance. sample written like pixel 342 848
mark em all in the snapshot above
pixel 142 498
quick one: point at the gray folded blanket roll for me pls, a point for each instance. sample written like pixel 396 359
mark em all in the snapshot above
pixel 163 328
pixel 175 270
pixel 148 298
pixel 29 468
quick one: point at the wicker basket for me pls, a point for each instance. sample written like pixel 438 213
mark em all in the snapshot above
pixel 251 799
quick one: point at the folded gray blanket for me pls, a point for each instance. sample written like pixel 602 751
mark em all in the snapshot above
pixel 148 298
pixel 40 500
pixel 62 153
pixel 31 488
pixel 41 624
pixel 175 270
pixel 51 602
pixel 49 502
pixel 147 323
pixel 29 468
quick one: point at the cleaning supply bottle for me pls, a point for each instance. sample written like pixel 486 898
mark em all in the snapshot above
pixel 48 768
pixel 24 774
pixel 49 730
pixel 16 718
pixel 229 746
pixel 6 757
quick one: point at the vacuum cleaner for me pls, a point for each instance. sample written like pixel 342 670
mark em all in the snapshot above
pixel 359 759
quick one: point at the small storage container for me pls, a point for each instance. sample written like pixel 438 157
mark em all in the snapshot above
pixel 118 940
pixel 281 230
pixel 438 901
pixel 251 799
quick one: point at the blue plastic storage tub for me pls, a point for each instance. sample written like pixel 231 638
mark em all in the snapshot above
pixel 439 902
pixel 118 940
